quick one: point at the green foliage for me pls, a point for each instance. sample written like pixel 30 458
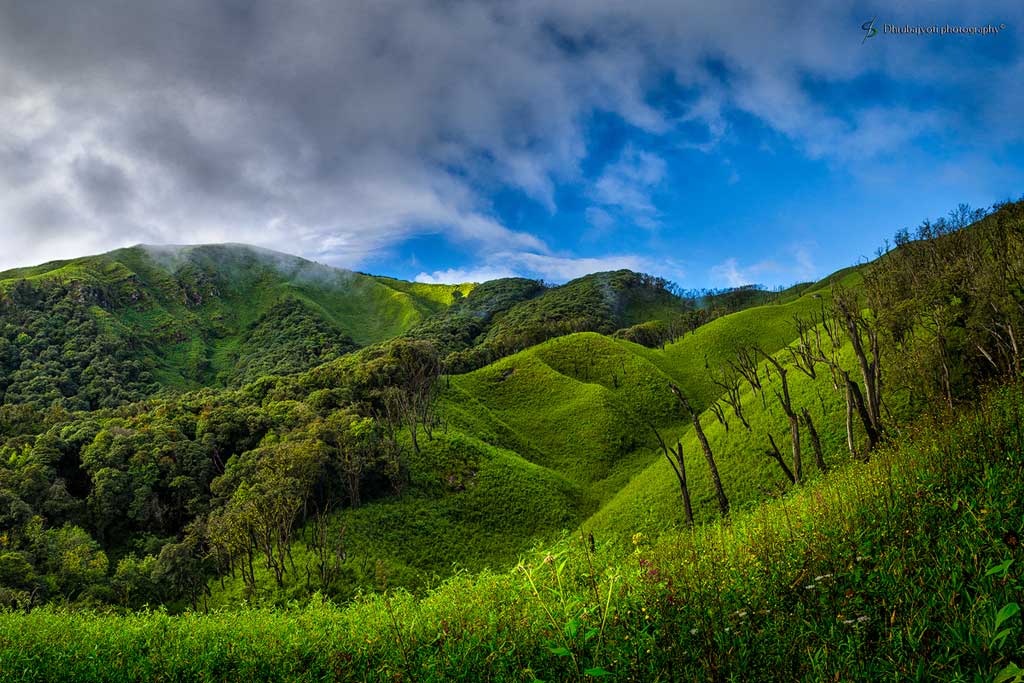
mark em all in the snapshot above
pixel 288 338
pixel 893 569
pixel 339 472
pixel 54 351
pixel 459 327
pixel 106 330
pixel 602 302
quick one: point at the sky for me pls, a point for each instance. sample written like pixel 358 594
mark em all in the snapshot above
pixel 714 144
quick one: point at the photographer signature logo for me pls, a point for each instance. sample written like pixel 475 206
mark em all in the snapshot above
pixel 942 30
pixel 869 29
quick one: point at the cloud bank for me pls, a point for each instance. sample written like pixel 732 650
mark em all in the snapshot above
pixel 338 130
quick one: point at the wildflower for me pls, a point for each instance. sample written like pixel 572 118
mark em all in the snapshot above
pixel 822 577
pixel 810 586
pixel 693 631
pixel 861 620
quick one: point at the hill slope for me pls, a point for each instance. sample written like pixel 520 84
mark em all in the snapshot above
pixel 101 330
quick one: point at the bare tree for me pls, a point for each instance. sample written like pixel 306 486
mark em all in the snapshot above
pixel 678 463
pixel 787 407
pixel 862 332
pixel 719 414
pixel 730 384
pixel 819 456
pixel 829 323
pixel 723 502
pixel 746 366
pixel 802 353
pixel 775 455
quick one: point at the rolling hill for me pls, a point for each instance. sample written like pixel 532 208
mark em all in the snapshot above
pixel 324 455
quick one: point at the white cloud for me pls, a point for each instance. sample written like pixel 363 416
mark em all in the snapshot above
pixel 728 273
pixel 547 267
pixel 626 187
pixel 797 266
pixel 338 130
pixel 454 276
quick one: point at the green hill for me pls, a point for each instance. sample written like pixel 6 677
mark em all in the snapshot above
pixel 102 330
pixel 575 412
pixel 503 316
pixel 319 467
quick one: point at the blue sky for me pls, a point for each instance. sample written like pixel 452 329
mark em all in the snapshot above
pixel 454 141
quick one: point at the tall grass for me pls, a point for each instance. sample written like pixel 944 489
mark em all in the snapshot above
pixel 907 567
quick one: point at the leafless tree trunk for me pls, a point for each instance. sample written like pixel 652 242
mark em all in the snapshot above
pixel 746 366
pixel 794 421
pixel 862 410
pixel 675 459
pixel 854 399
pixel 723 502
pixel 819 457
pixel 731 386
pixel 720 415
pixel 849 422
pixel 860 330
pixel 774 453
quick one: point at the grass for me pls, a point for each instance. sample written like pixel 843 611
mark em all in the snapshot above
pixel 574 413
pixel 770 327
pixel 907 567
pixel 648 501
pixel 576 400
pixel 559 427
pixel 471 506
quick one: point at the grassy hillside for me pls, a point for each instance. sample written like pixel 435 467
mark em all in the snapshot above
pixel 382 469
pixel 535 443
pixel 769 327
pixel 504 316
pixel 575 411
pixel 904 568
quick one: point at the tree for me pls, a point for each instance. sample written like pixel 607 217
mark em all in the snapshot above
pixel 182 567
pixel 723 502
pixel 828 322
pixel 401 386
pixel 787 407
pixel 134 582
pixel 776 455
pixel 678 462
pixel 355 448
pixel 730 384
pixel 862 331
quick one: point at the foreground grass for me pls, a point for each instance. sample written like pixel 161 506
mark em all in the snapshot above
pixel 906 567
